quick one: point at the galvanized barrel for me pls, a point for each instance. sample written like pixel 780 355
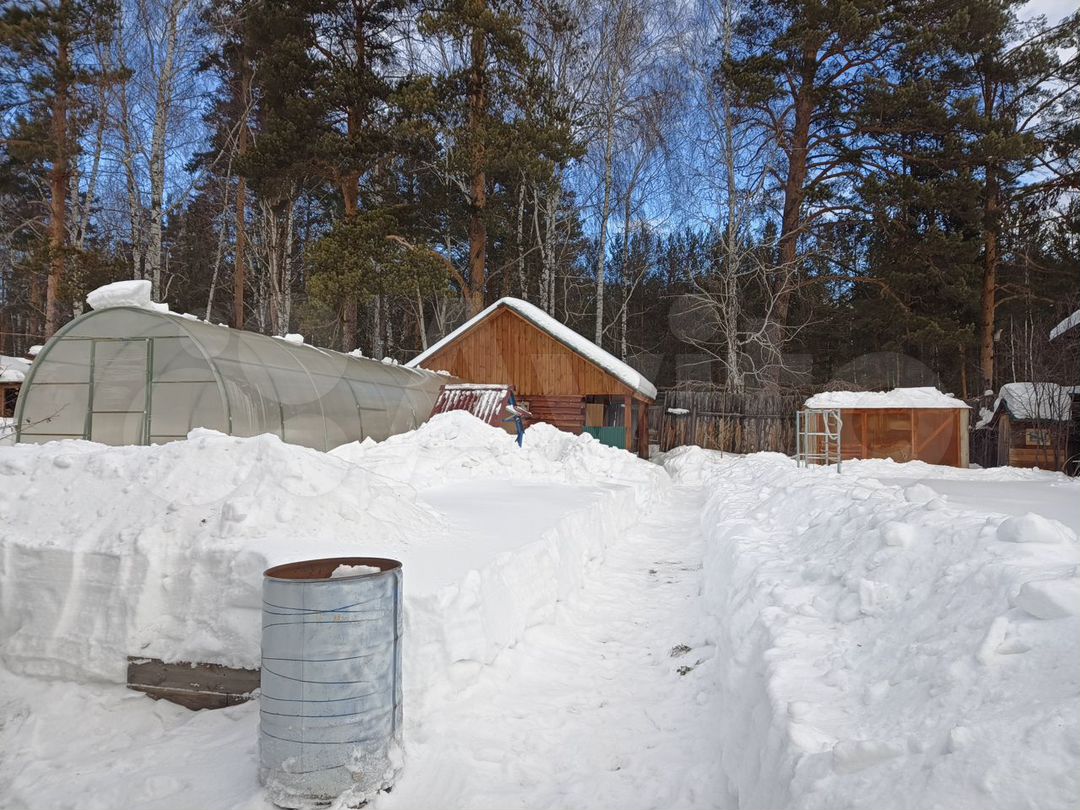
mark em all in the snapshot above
pixel 330 706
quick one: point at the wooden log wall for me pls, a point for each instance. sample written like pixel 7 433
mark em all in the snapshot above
pixel 734 423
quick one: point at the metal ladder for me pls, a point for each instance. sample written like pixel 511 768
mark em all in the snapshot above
pixel 817 437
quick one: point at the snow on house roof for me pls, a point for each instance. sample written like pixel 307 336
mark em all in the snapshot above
pixel 562 333
pixel 1040 400
pixel 896 398
pixel 13 369
pixel 1069 323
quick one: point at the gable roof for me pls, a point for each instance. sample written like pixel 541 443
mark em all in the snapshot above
pixel 1068 323
pixel 578 344
pixel 1033 401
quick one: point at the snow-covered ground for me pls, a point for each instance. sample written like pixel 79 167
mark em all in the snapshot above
pixel 886 645
pixel 583 629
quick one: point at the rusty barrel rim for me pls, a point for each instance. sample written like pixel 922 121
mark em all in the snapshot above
pixel 319 570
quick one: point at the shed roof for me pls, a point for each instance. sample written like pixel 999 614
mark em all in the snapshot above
pixel 901 398
pixel 1068 323
pixel 1027 401
pixel 582 346
pixel 486 402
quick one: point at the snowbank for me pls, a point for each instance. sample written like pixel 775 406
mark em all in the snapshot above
pixel 458 446
pixel 880 643
pixel 896 398
pixel 158 551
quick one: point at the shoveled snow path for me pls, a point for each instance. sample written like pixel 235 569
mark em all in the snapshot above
pixel 590 710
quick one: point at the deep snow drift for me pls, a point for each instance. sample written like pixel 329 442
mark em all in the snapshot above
pixel 158 551
pixel 107 552
pixel 884 647
pixel 580 630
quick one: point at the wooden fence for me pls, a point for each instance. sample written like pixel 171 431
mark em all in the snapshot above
pixel 721 420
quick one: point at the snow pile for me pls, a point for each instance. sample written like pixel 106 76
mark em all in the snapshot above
pixel 457 446
pixel 158 551
pixel 135 293
pixel 1040 400
pixel 13 369
pixel 879 643
pixel 896 398
pixel 562 333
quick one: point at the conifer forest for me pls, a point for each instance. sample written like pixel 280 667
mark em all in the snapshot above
pixel 741 194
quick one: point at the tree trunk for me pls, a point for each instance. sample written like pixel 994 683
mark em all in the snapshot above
pixel 162 105
pixel 376 329
pixel 605 212
pixel 791 223
pixel 523 287
pixel 988 296
pixel 350 188
pixel 628 204
pixel 58 184
pixel 553 197
pixel 474 294
pixel 731 302
pixel 420 319
pixel 134 200
pixel 243 141
pixel 82 208
pixel 278 220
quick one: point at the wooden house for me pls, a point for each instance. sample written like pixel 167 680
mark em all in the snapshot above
pixel 905 424
pixel 559 376
pixel 12 373
pixel 1030 423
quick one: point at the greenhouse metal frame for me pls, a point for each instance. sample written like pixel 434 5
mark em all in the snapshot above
pixel 127 375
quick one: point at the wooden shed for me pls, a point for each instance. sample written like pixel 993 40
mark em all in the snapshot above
pixel 905 424
pixel 560 377
pixel 1030 424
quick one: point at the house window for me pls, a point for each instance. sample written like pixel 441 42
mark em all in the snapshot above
pixel 1038 437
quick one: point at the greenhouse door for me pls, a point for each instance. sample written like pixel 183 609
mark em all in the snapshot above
pixel 119 410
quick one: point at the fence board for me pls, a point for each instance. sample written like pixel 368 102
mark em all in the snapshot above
pixel 723 420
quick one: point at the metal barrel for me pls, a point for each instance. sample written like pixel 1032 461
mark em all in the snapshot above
pixel 330 706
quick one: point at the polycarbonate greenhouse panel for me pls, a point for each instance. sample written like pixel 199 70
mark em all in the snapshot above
pixel 134 376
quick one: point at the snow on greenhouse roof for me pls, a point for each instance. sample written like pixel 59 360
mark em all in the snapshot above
pixel 133 293
pixel 562 333
pixel 1069 323
pixel 896 398
pixel 1026 400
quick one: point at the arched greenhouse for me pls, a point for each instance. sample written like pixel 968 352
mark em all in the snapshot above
pixel 127 375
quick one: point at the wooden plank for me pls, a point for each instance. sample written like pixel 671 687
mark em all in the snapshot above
pixel 192 685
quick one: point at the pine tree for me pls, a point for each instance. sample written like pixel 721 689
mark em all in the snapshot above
pixel 479 113
pixel 46 49
pixel 798 70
